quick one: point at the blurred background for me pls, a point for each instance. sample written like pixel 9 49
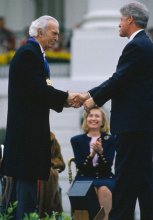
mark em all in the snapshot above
pixel 86 55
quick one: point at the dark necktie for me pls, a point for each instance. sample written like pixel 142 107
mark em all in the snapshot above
pixel 47 69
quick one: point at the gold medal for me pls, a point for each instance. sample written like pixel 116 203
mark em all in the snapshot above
pixel 48 81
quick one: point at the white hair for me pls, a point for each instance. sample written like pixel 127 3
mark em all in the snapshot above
pixel 40 23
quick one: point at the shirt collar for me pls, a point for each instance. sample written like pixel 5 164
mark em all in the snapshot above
pixel 42 50
pixel 134 34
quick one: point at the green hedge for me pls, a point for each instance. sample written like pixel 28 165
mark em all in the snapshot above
pixel 8 215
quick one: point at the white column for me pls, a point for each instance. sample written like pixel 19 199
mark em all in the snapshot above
pixel 74 11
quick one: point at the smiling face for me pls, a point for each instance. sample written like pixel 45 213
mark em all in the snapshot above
pixel 94 119
pixel 49 36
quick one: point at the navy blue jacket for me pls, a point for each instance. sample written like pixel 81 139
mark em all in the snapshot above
pixel 130 88
pixel 27 144
pixel 81 149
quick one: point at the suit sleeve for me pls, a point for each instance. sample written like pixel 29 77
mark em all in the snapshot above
pixel 129 62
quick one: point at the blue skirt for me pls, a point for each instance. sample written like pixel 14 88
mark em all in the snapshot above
pixel 109 182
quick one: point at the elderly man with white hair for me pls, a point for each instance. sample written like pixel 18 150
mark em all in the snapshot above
pixel 30 97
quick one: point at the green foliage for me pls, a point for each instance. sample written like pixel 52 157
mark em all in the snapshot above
pixel 55 216
pixel 8 215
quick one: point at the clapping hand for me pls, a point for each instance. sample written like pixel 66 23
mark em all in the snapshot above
pixel 97 147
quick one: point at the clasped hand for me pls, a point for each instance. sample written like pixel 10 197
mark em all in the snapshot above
pixel 76 100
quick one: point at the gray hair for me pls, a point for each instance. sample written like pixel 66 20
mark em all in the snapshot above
pixel 138 11
pixel 40 23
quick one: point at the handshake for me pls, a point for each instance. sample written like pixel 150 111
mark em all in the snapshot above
pixel 77 100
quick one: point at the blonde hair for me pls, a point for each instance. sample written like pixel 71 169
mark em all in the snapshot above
pixel 105 126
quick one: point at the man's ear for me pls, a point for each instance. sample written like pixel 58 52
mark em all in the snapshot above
pixel 130 20
pixel 40 33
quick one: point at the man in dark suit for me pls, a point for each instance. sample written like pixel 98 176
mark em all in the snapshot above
pixel 30 96
pixel 131 90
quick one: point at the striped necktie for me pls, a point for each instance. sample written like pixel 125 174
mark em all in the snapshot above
pixel 47 69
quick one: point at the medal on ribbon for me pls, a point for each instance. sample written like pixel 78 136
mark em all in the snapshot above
pixel 49 82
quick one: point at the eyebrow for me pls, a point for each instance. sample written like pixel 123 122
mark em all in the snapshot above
pixel 55 32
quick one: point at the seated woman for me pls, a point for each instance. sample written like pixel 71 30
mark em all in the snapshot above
pixel 49 191
pixel 94 153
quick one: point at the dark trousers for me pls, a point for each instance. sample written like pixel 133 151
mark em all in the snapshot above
pixel 134 176
pixel 25 192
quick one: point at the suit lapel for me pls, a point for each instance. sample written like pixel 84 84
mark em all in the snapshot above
pixel 39 54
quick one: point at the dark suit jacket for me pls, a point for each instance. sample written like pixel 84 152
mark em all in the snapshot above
pixel 27 144
pixel 81 148
pixel 130 88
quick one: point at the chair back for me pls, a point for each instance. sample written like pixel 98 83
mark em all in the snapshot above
pixel 70 175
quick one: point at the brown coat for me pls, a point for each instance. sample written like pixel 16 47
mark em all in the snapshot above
pixel 49 195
